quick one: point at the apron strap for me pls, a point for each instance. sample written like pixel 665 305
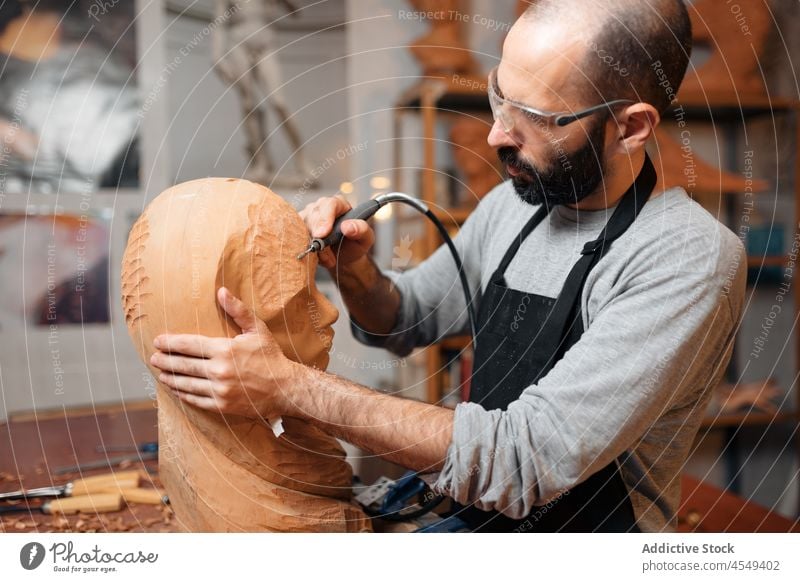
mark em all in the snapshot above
pixel 629 208
pixel 537 218
pixel 566 311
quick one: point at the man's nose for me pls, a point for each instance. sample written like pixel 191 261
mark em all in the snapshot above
pixel 498 137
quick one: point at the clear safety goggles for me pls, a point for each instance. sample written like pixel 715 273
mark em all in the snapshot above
pixel 514 114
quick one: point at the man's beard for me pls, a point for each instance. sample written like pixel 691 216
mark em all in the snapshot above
pixel 569 178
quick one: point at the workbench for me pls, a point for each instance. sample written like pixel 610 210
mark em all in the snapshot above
pixel 33 445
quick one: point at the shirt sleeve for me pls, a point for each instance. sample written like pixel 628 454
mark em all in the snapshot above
pixel 658 344
pixel 432 300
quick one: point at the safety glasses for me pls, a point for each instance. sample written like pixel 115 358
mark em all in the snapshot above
pixel 511 113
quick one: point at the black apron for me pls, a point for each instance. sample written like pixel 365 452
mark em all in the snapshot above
pixel 521 336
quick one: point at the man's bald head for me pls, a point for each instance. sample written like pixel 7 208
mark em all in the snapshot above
pixel 634 49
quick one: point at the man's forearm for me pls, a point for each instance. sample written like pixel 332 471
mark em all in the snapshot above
pixel 370 297
pixel 409 433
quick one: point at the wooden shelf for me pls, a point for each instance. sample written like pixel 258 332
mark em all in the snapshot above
pixel 448 216
pixel 456 343
pixel 750 418
pixel 727 107
pixel 757 261
pixel 448 94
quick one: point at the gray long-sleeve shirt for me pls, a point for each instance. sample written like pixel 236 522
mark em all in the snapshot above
pixel 660 312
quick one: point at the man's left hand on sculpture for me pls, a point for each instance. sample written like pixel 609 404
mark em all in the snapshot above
pixel 244 375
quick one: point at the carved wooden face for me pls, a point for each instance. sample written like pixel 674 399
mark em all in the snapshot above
pixel 264 265
pixel 200 235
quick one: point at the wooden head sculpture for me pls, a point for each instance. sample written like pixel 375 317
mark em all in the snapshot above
pixel 224 472
pixel 442 50
pixel 678 166
pixel 736 34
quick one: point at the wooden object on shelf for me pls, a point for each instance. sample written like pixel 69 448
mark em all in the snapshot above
pixel 758 396
pixel 736 38
pixel 703 181
pixel 34 36
pixel 231 473
pixel 442 50
pixel 475 158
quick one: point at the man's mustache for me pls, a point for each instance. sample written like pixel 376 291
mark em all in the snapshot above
pixel 510 157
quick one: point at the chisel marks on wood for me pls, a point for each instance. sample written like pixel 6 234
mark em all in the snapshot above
pixel 134 276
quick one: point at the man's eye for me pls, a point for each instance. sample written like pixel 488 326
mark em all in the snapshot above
pixel 530 116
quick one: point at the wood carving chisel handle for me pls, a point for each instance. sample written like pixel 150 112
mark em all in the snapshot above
pixel 85 486
pixel 96 503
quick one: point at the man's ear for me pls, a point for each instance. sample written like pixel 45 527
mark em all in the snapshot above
pixel 635 124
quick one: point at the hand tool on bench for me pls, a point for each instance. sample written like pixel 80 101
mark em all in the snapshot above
pixel 94 503
pixel 148 447
pixel 122 480
pixel 147 496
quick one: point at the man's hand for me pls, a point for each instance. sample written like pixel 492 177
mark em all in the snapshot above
pixel 358 235
pixel 249 375
pixel 245 375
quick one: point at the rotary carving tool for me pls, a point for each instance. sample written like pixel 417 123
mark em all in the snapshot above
pixel 363 211
pixel 368 209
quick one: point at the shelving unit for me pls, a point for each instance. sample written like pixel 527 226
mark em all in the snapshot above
pixel 434 100
pixel 732 114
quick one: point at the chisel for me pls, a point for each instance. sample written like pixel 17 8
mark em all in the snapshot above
pixel 85 486
pixel 95 503
pixel 146 496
